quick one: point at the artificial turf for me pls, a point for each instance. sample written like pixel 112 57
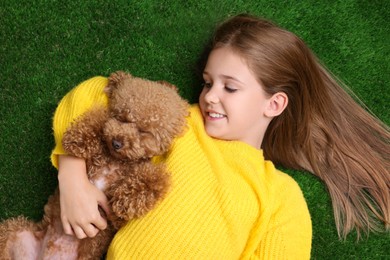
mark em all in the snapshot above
pixel 47 47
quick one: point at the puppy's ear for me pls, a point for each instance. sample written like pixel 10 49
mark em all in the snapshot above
pixel 113 81
pixel 167 84
pixel 150 144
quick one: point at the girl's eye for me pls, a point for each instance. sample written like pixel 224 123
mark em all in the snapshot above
pixel 230 90
pixel 207 85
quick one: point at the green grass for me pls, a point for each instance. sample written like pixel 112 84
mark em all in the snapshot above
pixel 47 47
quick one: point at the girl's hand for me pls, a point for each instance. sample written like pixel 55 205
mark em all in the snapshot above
pixel 79 199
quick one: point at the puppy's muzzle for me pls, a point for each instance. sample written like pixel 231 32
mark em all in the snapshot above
pixel 117 144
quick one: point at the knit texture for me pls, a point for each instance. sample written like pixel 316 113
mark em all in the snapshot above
pixel 226 201
pixel 82 98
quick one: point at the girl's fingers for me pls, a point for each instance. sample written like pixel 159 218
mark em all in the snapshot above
pixel 103 204
pixel 101 225
pixel 79 232
pixel 91 230
pixel 67 228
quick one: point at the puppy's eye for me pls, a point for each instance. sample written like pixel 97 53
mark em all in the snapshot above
pixel 143 132
pixel 117 117
pixel 122 119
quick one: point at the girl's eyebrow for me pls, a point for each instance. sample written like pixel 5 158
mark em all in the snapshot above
pixel 225 77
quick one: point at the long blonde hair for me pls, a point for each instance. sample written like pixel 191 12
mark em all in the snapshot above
pixel 323 129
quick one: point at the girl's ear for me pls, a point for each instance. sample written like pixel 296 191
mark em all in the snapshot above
pixel 276 104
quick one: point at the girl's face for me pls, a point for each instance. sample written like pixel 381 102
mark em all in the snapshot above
pixel 233 103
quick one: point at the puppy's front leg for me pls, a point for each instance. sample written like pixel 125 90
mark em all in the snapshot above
pixel 84 137
pixel 138 191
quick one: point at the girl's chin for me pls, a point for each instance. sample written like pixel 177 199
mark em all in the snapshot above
pixel 214 134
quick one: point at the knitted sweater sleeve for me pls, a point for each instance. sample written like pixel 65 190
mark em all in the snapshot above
pixel 76 102
pixel 289 234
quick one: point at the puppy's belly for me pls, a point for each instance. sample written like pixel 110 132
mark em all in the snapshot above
pixel 25 246
pixel 53 245
pixel 58 245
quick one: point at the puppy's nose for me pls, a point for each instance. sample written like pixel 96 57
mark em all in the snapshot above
pixel 116 144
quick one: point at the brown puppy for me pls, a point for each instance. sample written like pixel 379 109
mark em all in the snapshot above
pixel 141 121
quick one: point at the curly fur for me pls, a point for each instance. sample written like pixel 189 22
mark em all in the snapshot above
pixel 118 142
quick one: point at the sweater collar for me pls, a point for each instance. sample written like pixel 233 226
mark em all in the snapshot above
pixel 236 149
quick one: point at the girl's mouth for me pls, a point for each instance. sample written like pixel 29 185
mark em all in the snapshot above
pixel 215 115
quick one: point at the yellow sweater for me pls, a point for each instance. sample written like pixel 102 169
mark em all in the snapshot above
pixel 226 201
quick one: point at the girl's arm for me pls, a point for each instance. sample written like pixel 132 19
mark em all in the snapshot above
pixel 79 199
pixel 289 233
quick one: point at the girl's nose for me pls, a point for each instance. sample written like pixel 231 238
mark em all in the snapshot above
pixel 212 96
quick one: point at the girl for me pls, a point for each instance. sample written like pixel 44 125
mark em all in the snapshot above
pixel 264 92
